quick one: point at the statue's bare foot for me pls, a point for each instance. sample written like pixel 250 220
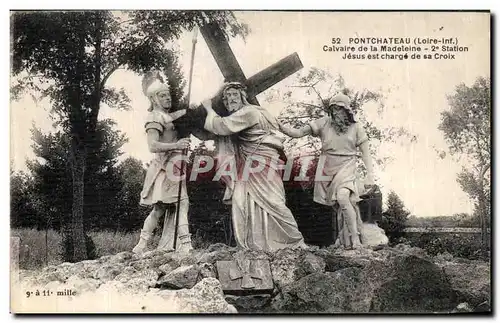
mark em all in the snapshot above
pixel 301 245
pixel 357 247
pixel 139 249
pixel 185 246
pixel 356 243
pixel 142 245
pixel 184 250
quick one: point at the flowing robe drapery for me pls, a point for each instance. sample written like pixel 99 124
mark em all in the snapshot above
pixel 261 219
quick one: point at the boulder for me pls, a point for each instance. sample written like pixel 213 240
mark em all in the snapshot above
pixel 443 257
pixel 220 247
pixel 216 252
pixel 182 277
pixel 165 269
pixel 258 303
pixel 309 263
pixel 81 285
pixel 121 257
pixel 207 271
pixel 413 284
pixel 484 307
pixel 340 259
pixel 108 271
pixel 388 281
pixel 204 297
pixel 472 280
pixel 289 265
pixel 183 259
pixel 463 308
pixel 283 267
pixel 319 293
pixel 139 281
pixel 373 235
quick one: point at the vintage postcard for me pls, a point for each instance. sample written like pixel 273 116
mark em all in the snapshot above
pixel 250 162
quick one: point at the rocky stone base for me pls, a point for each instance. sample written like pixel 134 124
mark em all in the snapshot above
pixel 389 280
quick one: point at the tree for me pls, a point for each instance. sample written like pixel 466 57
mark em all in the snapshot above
pixel 52 179
pixel 23 212
pixel 132 214
pixel 395 217
pixel 103 182
pixel 466 128
pixel 69 56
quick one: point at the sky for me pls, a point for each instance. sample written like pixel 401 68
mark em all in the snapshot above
pixel 415 90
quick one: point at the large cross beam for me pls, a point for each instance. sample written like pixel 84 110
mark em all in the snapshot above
pixel 231 70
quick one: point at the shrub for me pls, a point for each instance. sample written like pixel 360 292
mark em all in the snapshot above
pixel 394 218
pixel 459 245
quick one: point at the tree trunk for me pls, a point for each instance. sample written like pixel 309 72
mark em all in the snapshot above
pixel 77 230
pixel 483 214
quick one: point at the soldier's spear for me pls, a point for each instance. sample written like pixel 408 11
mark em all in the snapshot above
pixel 184 151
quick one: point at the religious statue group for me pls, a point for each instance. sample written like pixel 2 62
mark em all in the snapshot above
pixel 260 218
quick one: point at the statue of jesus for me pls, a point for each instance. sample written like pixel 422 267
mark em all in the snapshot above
pixel 247 142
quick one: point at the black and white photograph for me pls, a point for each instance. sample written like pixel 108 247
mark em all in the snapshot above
pixel 241 162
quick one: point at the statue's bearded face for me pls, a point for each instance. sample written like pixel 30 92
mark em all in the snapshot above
pixel 340 117
pixel 232 99
pixel 339 113
pixel 164 100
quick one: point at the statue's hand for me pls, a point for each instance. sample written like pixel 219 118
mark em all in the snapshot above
pixel 183 143
pixel 280 125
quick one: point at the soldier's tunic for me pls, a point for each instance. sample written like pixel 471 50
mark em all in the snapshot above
pixel 161 183
pixel 337 167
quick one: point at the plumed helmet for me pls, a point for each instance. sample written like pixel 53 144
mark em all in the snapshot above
pixel 155 87
pixel 153 82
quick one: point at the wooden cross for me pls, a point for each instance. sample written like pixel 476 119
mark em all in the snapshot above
pixel 232 72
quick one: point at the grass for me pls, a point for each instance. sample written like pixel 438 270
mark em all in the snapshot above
pixel 110 243
pixel 36 252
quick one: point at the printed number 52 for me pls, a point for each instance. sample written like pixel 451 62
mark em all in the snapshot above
pixel 335 41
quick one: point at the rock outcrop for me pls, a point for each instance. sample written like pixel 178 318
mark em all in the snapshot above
pixel 390 280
